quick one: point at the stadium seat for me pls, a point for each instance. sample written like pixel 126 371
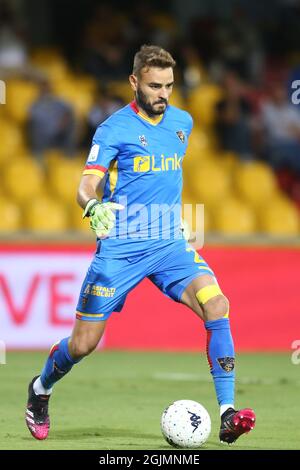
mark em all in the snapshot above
pixel 77 222
pixel 46 215
pixel 229 161
pixel 280 217
pixel 208 182
pixel 176 99
pixel 23 180
pixel 77 94
pixel 121 89
pixel 64 178
pixel 10 220
pixel 51 62
pixel 86 82
pixel 234 217
pixel 190 214
pixel 200 150
pixel 202 102
pixel 11 139
pixel 200 146
pixel 255 182
pixel 20 96
pixel 52 159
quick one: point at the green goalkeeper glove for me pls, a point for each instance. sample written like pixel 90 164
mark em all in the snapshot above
pixel 102 217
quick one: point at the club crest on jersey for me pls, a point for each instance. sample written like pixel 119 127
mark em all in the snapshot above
pixel 143 140
pixel 181 136
pixel 227 363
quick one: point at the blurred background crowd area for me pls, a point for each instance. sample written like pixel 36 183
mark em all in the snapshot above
pixel 65 66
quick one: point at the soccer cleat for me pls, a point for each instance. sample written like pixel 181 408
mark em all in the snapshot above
pixel 235 423
pixel 36 415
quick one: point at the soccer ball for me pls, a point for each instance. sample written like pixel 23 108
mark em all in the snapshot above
pixel 185 423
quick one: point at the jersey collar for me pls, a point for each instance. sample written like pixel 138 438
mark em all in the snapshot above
pixel 153 121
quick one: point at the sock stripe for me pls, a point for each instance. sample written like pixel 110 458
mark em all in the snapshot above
pixel 53 349
pixel 208 338
pixel 58 364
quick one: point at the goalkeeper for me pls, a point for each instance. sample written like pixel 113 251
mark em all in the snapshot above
pixel 138 154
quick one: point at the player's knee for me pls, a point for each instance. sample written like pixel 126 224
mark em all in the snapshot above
pixel 80 347
pixel 216 308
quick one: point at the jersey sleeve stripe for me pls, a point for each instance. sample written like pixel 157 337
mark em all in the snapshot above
pixel 94 172
pixel 96 167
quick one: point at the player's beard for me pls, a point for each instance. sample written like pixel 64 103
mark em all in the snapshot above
pixel 143 103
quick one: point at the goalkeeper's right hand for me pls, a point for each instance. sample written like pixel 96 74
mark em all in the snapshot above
pixel 102 217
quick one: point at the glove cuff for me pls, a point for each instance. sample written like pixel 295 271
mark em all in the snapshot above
pixel 90 204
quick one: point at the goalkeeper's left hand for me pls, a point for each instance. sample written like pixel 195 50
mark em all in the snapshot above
pixel 102 217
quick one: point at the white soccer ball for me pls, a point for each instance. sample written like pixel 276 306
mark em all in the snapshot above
pixel 186 423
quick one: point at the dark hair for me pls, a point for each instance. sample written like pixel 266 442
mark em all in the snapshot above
pixel 152 56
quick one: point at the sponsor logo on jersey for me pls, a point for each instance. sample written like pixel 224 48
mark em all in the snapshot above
pixel 142 164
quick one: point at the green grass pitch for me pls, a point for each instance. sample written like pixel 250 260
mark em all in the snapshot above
pixel 114 400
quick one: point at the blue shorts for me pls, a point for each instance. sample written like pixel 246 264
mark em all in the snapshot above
pixel 108 281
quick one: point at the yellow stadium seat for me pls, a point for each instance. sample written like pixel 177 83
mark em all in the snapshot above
pixel 46 215
pixel 51 62
pixel 44 55
pixel 280 217
pixel 78 223
pixel 177 100
pixel 11 139
pixel 200 145
pixel 121 89
pixel 201 149
pixel 20 96
pixel 64 179
pixel 202 103
pixel 86 82
pixel 78 95
pixel 23 180
pixel 193 215
pixel 229 160
pixel 52 159
pixel 10 220
pixel 255 182
pixel 234 217
pixel 81 157
pixel 208 182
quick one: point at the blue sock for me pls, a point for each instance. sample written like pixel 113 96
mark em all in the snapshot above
pixel 220 355
pixel 58 364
